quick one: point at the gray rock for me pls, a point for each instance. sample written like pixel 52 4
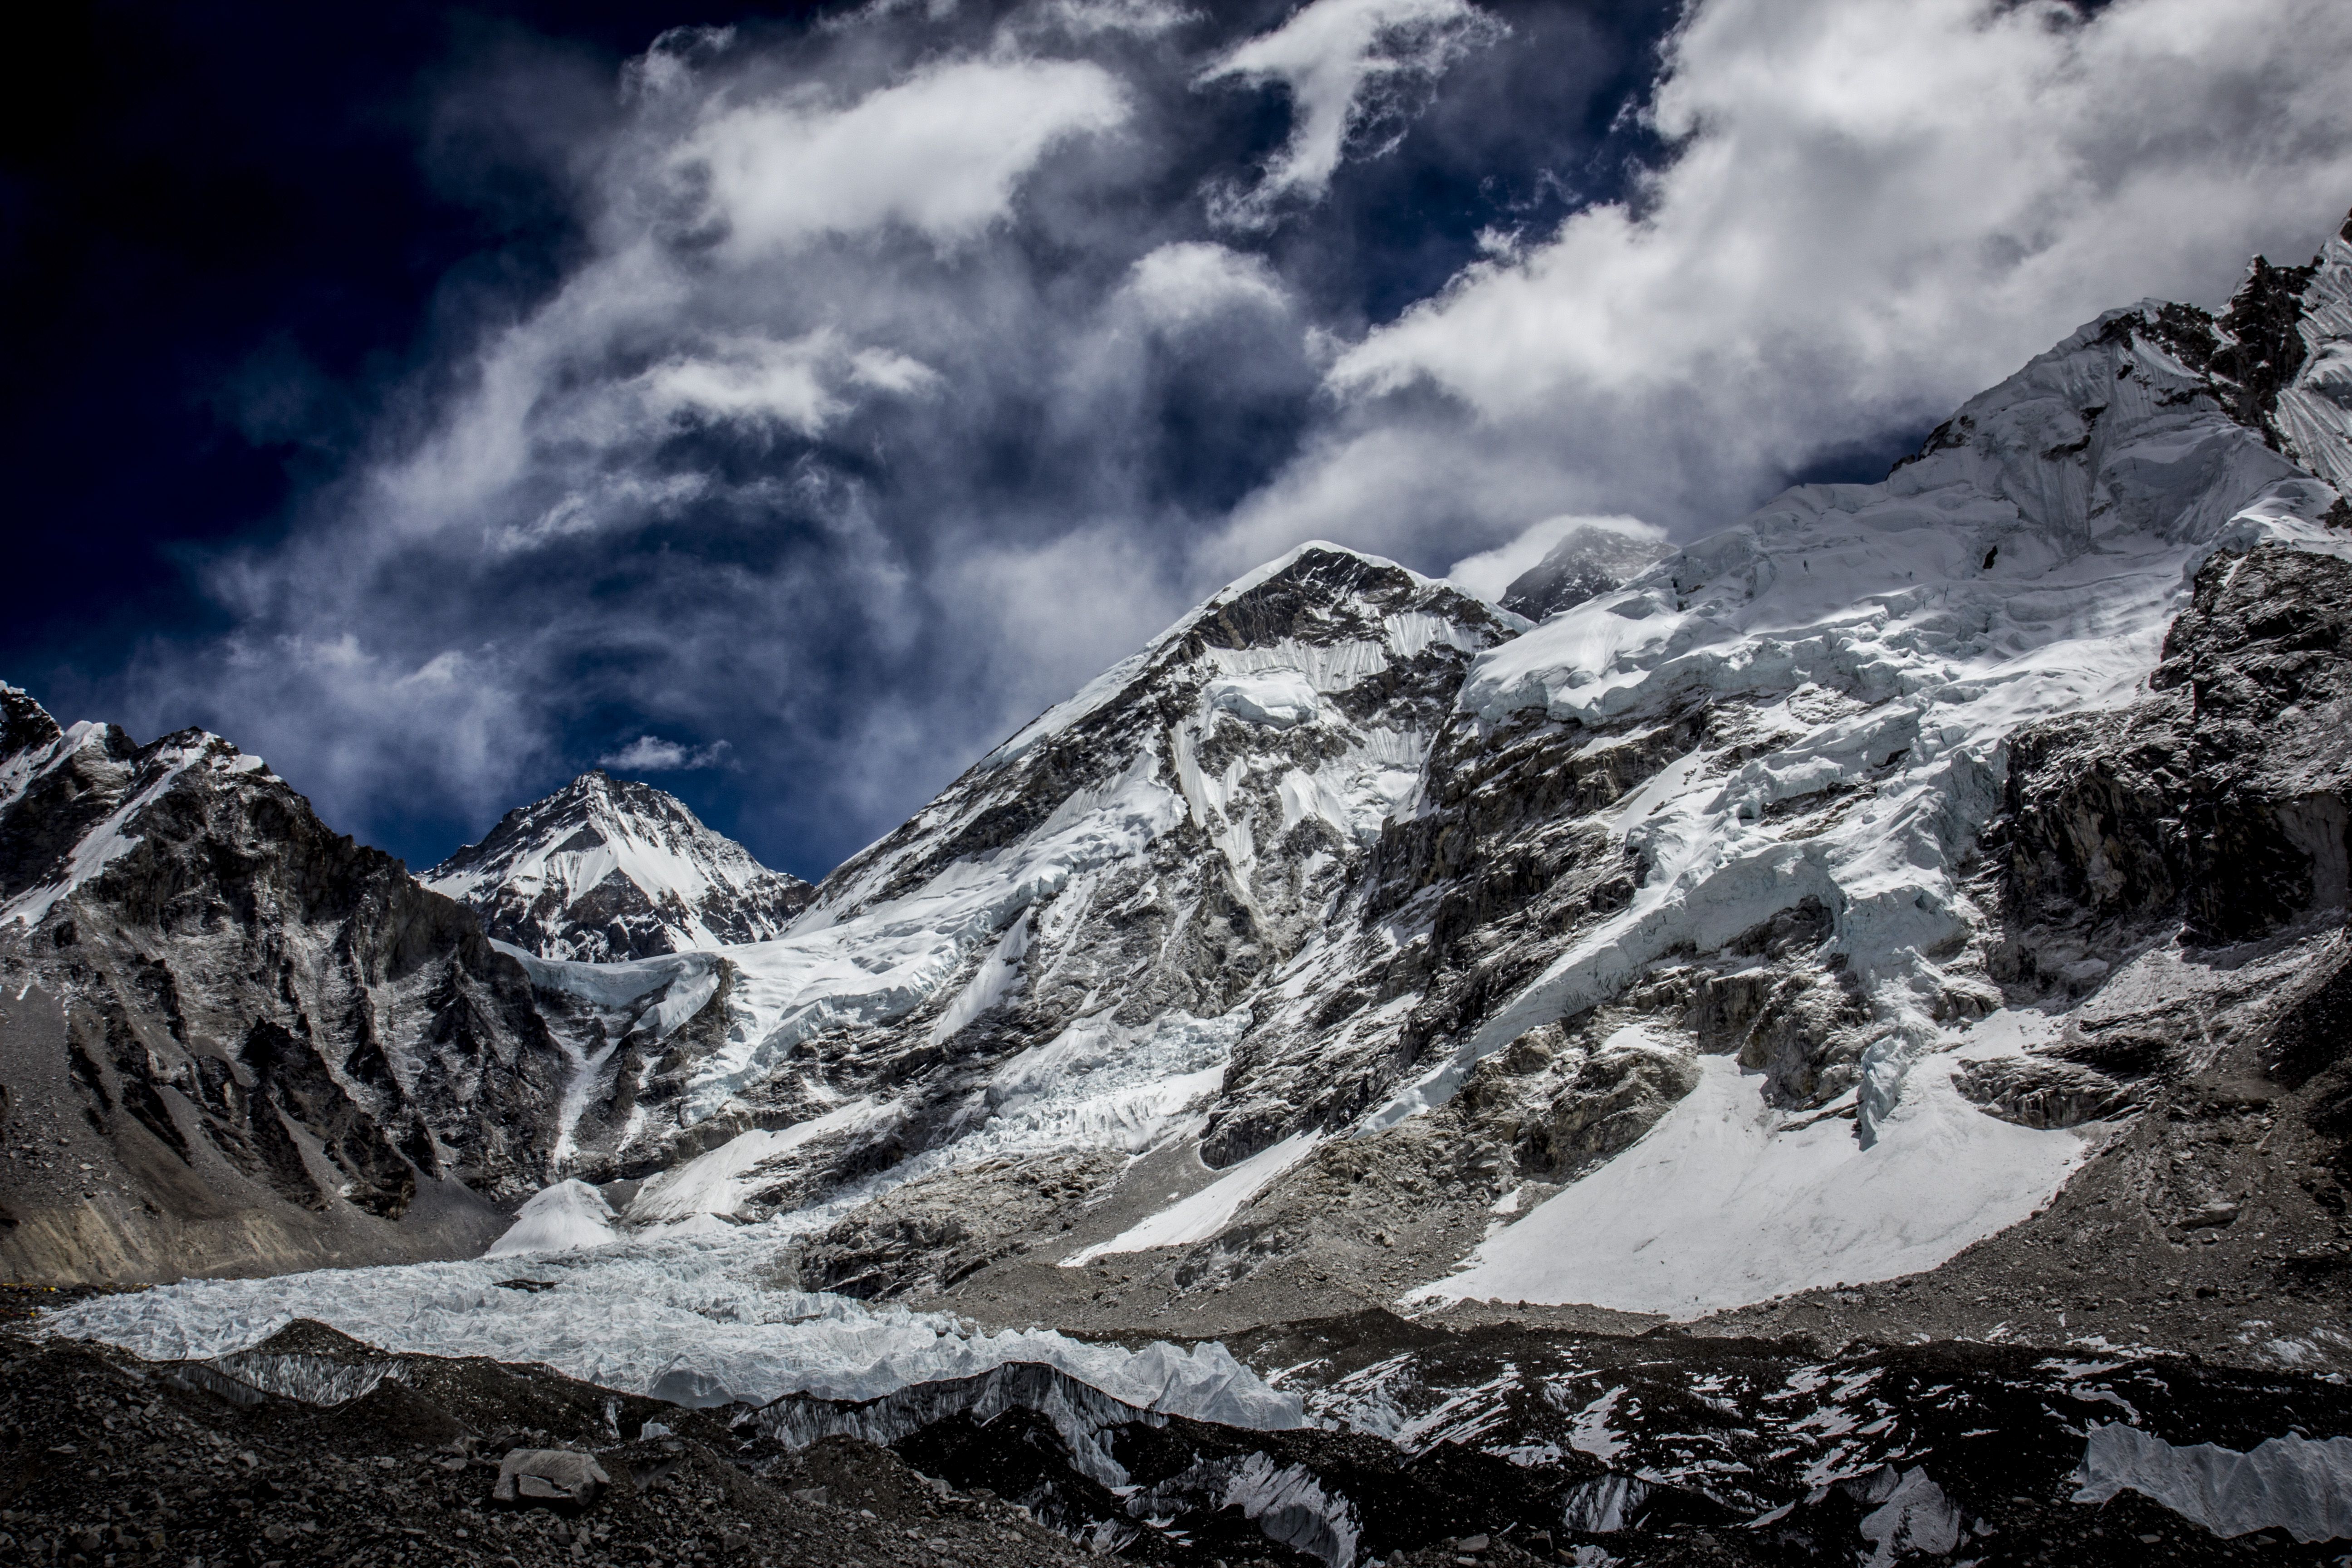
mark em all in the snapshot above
pixel 549 1473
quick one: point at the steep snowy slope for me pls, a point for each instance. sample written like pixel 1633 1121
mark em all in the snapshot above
pixel 606 868
pixel 231 1039
pixel 1047 959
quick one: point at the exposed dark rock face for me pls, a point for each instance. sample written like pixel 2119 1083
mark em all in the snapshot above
pixel 1588 562
pixel 928 1236
pixel 607 870
pixel 2221 802
pixel 235 1039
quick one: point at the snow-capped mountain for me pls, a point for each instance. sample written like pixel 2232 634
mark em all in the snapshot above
pixel 607 870
pixel 1863 891
pixel 1349 916
pixel 234 1039
pixel 1047 959
pixel 1916 913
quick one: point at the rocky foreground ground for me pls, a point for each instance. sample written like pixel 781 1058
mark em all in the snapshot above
pixel 107 1459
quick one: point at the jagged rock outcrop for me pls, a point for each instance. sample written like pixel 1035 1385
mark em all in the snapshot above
pixel 234 1039
pixel 2222 804
pixel 607 870
pixel 1590 560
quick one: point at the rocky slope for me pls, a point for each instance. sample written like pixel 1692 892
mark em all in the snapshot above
pixel 235 1040
pixel 1495 1446
pixel 608 870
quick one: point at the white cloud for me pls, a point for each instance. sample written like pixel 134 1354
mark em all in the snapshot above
pixel 1489 572
pixel 1190 281
pixel 757 379
pixel 752 379
pixel 1091 18
pixel 1350 66
pixel 898 386
pixel 447 726
pixel 1871 211
pixel 651 754
pixel 941 151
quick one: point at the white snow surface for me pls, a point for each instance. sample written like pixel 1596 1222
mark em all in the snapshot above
pixel 1204 1213
pixel 1727 1201
pixel 565 1217
pixel 1890 638
pixel 714 1182
pixel 2292 1483
pixel 2314 410
pixel 681 1320
pixel 1278 698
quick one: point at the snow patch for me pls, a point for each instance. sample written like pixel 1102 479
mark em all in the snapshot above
pixel 714 1182
pixel 1278 698
pixel 1208 1211
pixel 1718 1205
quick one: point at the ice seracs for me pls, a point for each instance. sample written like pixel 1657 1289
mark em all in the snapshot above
pixel 608 869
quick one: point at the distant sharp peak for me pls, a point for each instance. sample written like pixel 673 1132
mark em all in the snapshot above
pixel 629 807
pixel 25 724
pixel 609 868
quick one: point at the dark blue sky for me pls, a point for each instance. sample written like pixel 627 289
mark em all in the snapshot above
pixel 436 400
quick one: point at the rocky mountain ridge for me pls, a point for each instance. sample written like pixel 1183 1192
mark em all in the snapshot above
pixel 1740 841
pixel 236 1039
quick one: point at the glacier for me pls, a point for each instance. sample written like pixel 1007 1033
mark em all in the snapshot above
pixel 683 1320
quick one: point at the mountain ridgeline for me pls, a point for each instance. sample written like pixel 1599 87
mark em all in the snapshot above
pixel 1899 877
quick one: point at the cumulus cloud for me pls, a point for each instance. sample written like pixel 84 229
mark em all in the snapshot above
pixel 1353 68
pixel 1868 213
pixel 941 152
pixel 1191 281
pixel 897 376
pixel 651 754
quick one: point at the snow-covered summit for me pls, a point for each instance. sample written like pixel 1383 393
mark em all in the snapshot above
pixel 607 870
pixel 1047 959
pixel 1589 560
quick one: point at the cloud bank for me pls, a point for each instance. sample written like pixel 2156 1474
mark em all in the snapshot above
pixel 910 368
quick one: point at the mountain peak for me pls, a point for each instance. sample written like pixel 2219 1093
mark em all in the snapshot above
pixel 609 868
